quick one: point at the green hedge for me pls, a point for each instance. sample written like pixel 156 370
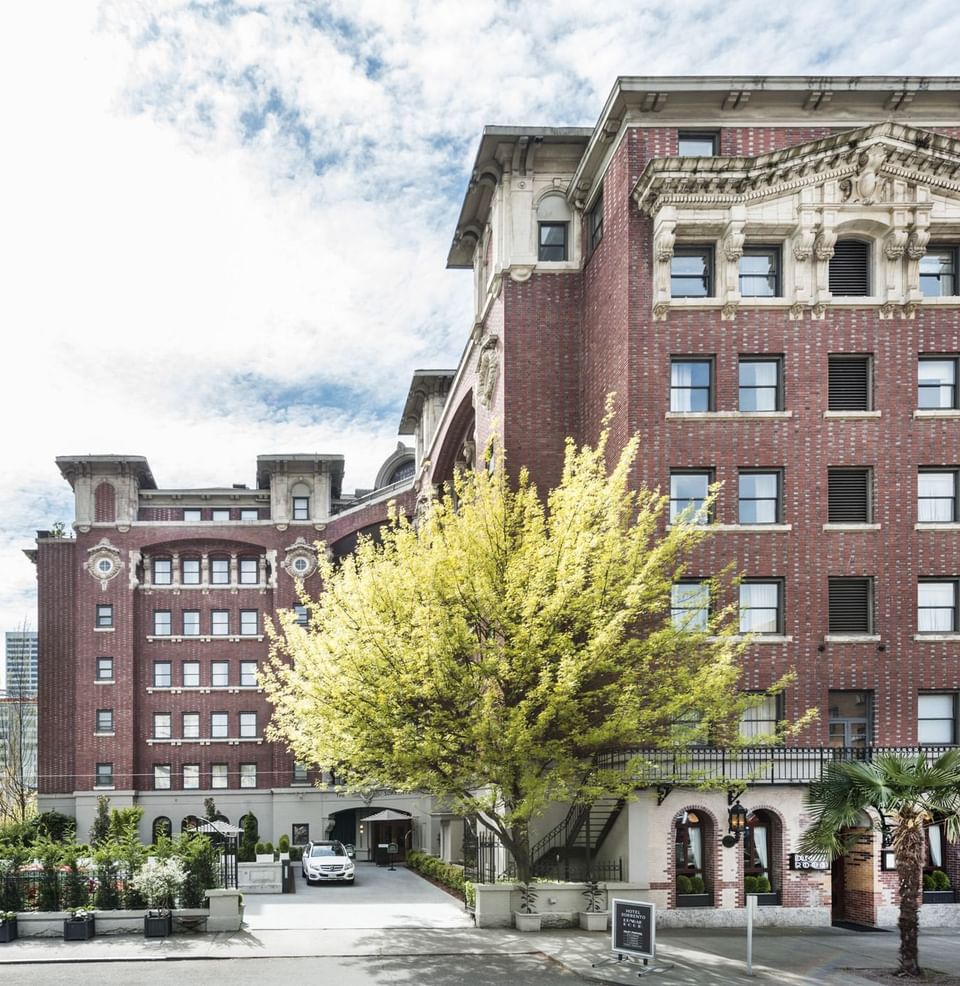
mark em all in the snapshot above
pixel 446 873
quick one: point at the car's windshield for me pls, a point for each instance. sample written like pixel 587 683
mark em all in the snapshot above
pixel 336 850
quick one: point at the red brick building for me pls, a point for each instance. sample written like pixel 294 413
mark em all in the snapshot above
pixel 765 272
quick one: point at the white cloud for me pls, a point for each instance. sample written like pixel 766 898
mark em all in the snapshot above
pixel 209 204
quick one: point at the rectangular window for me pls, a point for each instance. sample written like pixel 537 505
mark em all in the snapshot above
pixel 162 675
pixel 937 496
pixel 760 384
pixel 220 674
pixel 161 777
pixel 301 508
pixel 937 606
pixel 219 571
pixel 104 616
pixel 851 609
pixel 248 674
pixel 249 513
pixel 192 516
pixel 849 383
pixel 762 719
pixel 161 623
pixel 553 241
pixel 249 622
pixel 104 669
pixel 851 719
pixel 691 385
pixel 220 623
pixel 848 496
pixel 761 607
pixel 248 725
pixel 191 725
pixel 691 272
pixel 191 674
pixel 162 571
pixel 218 775
pixel 697 143
pixel 104 720
pixel 249 571
pixel 938 272
pixel 191 622
pixel 219 725
pixel 190 571
pixel 300 774
pixel 759 497
pixel 301 614
pixel 191 776
pixel 162 725
pixel 760 272
pixel 688 491
pixel 104 775
pixel 850 269
pixel 220 515
pixel 937 719
pixel 690 605
pixel 248 775
pixel 595 224
pixel 937 383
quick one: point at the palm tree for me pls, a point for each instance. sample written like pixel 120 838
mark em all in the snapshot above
pixel 906 792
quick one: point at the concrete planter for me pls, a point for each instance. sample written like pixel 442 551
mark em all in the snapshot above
pixel 594 920
pixel 526 922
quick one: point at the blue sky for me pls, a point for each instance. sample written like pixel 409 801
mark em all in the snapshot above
pixel 225 224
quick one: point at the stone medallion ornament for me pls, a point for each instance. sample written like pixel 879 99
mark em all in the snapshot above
pixel 103 562
pixel 300 561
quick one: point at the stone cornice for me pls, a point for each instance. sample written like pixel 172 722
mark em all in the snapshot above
pixel 861 156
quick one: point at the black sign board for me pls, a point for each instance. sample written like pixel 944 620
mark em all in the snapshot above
pixel 809 861
pixel 633 928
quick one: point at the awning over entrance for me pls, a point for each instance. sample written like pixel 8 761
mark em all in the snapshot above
pixel 387 815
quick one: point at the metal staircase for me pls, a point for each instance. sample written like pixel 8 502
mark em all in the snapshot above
pixel 568 850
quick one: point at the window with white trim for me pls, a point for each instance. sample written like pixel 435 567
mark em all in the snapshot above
pixel 248 725
pixel 162 571
pixel 219 725
pixel 248 775
pixel 249 622
pixel 162 725
pixel 190 571
pixel 162 674
pixel 220 623
pixel 191 776
pixel 191 674
pixel 218 775
pixel 162 623
pixel 191 622
pixel 249 571
pixel 191 725
pixel 219 571
pixel 220 674
pixel 104 721
pixel 937 606
pixel 937 496
pixel 937 719
pixel 248 674
pixel 161 777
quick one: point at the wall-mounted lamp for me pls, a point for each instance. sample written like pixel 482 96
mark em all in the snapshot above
pixel 736 824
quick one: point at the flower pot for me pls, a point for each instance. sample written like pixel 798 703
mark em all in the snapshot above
pixel 79 929
pixel 594 920
pixel 526 922
pixel 8 930
pixel 158 925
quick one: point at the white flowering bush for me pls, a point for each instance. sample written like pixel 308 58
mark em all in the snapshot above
pixel 160 882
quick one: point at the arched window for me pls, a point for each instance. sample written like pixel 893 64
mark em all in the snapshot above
pixel 105 504
pixel 403 471
pixel 850 269
pixel 691 840
pixel 758 870
pixel 553 229
pixel 162 827
pixel 189 824
pixel 300 505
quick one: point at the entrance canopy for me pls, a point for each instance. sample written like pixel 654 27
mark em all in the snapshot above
pixel 221 828
pixel 387 815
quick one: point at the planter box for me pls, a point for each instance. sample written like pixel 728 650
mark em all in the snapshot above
pixel 594 920
pixel 939 897
pixel 158 925
pixel 694 900
pixel 8 930
pixel 526 922
pixel 770 899
pixel 265 857
pixel 74 930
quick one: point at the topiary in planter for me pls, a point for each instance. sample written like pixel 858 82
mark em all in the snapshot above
pixel 697 885
pixel 684 886
pixel 763 885
pixel 750 885
pixel 940 880
pixel 928 883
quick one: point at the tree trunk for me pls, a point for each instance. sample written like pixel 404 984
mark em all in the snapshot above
pixel 909 849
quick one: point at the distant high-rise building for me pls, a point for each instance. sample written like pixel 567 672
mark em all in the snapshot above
pixel 21 662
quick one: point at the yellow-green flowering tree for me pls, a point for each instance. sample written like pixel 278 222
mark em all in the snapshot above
pixel 486 654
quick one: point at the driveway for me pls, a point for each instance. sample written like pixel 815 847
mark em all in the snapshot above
pixel 379 898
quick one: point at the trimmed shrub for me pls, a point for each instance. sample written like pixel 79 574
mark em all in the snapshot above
pixel 260 848
pixel 750 884
pixel 928 883
pixel 763 885
pixel 448 874
pixel 684 884
pixel 697 886
pixel 940 880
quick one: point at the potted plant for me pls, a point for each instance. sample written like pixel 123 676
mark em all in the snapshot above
pixel 283 846
pixel 937 888
pixel 264 855
pixel 594 917
pixel 81 924
pixel 692 892
pixel 8 926
pixel 760 887
pixel 160 881
pixel 527 918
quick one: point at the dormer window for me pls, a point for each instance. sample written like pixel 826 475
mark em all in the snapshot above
pixel 850 269
pixel 691 272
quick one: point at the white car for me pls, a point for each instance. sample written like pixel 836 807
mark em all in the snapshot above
pixel 326 861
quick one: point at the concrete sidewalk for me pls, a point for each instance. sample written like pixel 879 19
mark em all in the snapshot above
pixel 705 958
